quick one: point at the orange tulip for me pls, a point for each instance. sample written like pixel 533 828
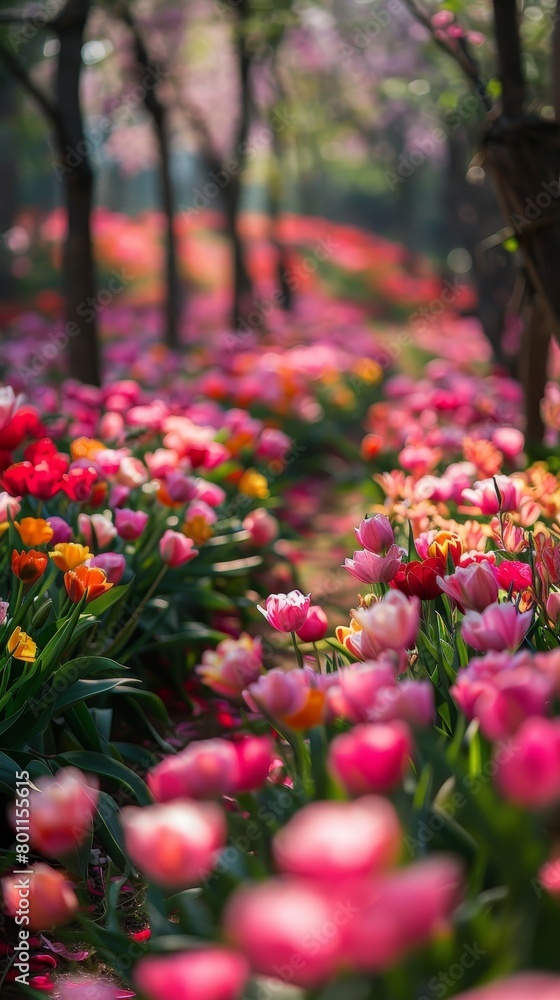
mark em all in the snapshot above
pixel 88 580
pixel 34 530
pixel 69 555
pixel 29 566
pixel 84 447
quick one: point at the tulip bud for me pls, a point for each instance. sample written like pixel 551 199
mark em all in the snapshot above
pixel 52 900
pixel 371 758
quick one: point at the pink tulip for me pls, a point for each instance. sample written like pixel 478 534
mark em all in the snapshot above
pixel 212 973
pixel 174 845
pixel 206 769
pixel 286 612
pixel 553 607
pixel 371 568
pixel 52 900
pixel 278 693
pixel 112 563
pixel 211 493
pixel 130 523
pixel 509 440
pixel 525 986
pixel 86 988
pixel 485 494
pixel 277 924
pixel 474 587
pixel 61 810
pixel 371 758
pixel 232 666
pixel 4 608
pixel 499 627
pixel 111 426
pixel 529 773
pixel 503 701
pixel 315 625
pixel 388 624
pixel 176 549
pixel 255 757
pixel 400 911
pixel 263 528
pixel 375 533
pixel 273 444
pixel 97 530
pixel 333 841
pixel 9 507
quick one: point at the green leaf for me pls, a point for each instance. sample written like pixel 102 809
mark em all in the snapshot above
pixel 113 770
pixel 110 597
pixel 82 690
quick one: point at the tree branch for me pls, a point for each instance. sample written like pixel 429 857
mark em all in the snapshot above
pixel 48 107
pixel 460 51
pixel 506 19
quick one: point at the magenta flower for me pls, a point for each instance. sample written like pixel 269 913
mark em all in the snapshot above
pixel 175 549
pixel 130 523
pixel 388 624
pixel 368 567
pixel 474 587
pixel 485 494
pixel 499 627
pixel 212 973
pixel 375 533
pixel 286 612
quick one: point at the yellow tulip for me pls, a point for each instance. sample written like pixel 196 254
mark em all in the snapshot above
pixel 69 555
pixel 22 646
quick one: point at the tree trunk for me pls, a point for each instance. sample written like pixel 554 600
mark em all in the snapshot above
pixel 78 271
pixel 242 285
pixel 158 113
pixel 532 368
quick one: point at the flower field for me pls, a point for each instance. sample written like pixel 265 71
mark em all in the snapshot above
pixel 280 662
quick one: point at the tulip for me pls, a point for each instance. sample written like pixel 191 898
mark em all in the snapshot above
pixel 87 989
pixel 206 769
pixel 60 811
pixel 52 900
pixel 255 757
pixel 419 579
pixel 388 624
pixel 199 518
pixel 97 530
pixel 113 565
pixel 553 607
pixel 444 544
pixel 494 495
pixel 278 693
pixel 286 612
pixel 499 627
pixel 9 507
pixel 399 911
pixel 87 580
pixel 263 528
pixel 503 701
pixel 371 758
pixel 29 566
pixel 4 608
pixel 368 567
pixel 474 587
pixel 526 986
pixel 34 530
pixel 176 844
pixel 253 484
pixel 212 973
pixel 69 555
pixel 22 646
pixel 513 575
pixel 273 444
pixel 529 773
pixel 333 841
pixel 62 532
pixel 232 666
pixel 315 625
pixel 175 549
pixel 375 533
pixel 277 924
pixel 130 523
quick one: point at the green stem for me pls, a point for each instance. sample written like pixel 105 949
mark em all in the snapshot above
pixel 297 650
